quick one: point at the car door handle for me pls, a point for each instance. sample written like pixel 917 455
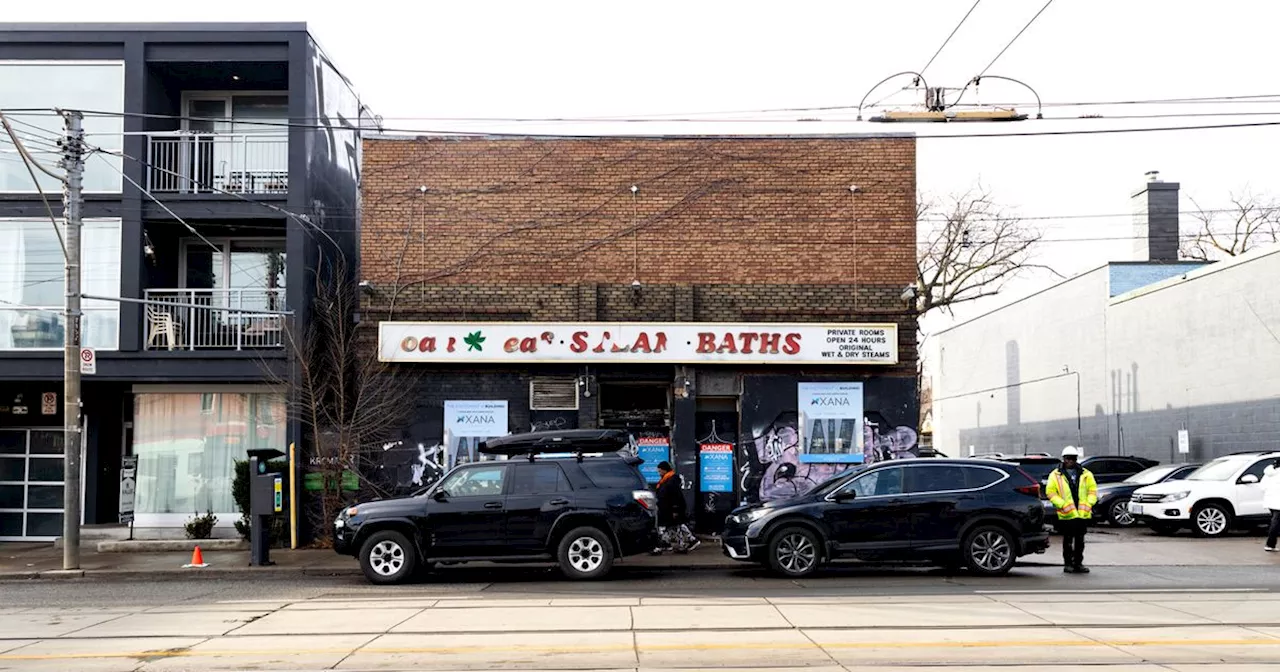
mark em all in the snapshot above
pixel 493 505
pixel 558 501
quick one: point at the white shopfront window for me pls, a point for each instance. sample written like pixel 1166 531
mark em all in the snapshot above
pixel 187 443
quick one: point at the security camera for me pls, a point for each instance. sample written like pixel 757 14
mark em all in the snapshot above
pixel 635 284
pixel 909 293
pixel 854 189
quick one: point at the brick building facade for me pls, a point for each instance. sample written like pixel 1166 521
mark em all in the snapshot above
pixel 669 233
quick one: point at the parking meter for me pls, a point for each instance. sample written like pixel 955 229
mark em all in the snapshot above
pixel 266 498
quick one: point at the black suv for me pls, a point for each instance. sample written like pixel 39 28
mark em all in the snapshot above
pixel 983 514
pixel 574 497
pixel 1116 468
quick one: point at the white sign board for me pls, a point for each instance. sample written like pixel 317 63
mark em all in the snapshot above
pixel 467 423
pixel 1184 441
pixel 88 361
pixel 128 486
pixel 765 343
pixel 830 422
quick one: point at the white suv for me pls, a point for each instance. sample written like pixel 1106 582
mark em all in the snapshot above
pixel 1223 494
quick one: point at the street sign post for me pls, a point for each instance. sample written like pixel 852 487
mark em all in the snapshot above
pixel 128 488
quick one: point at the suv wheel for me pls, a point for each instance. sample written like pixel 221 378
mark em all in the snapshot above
pixel 585 553
pixel 388 557
pixel 1210 520
pixel 989 551
pixel 795 551
pixel 1119 514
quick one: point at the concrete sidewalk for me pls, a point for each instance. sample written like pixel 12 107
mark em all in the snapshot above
pixel 1105 549
pixel 430 628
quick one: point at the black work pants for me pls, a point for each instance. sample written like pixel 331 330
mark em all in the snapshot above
pixel 1073 532
pixel 1274 531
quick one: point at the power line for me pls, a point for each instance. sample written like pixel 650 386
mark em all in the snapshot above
pixel 948 40
pixel 1015 39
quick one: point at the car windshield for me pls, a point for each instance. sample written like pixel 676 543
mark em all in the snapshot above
pixel 1039 469
pixel 1218 470
pixel 1149 476
pixel 832 483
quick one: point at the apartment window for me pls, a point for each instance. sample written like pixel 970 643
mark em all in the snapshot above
pixel 246 273
pixel 41 85
pixel 32 289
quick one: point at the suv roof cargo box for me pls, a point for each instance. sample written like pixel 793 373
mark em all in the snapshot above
pixel 577 441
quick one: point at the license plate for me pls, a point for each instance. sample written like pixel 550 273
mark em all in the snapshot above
pixel 1135 509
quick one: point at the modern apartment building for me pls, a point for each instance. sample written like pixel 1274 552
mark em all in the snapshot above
pixel 223 169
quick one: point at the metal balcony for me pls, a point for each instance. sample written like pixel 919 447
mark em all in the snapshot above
pixel 214 319
pixel 188 162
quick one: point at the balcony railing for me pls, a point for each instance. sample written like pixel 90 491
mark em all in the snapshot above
pixel 214 319
pixel 186 162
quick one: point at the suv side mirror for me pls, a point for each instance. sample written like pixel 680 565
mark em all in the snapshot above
pixel 846 496
pixel 1248 479
pixel 440 496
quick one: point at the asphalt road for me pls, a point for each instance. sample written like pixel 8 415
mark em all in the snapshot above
pixel 746 582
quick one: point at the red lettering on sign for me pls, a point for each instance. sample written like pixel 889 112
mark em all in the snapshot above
pixel 662 342
pixel 792 346
pixel 529 345
pixel 600 348
pixel 769 343
pixel 453 342
pixel 727 345
pixel 642 343
pixel 578 342
pixel 620 348
pixel 427 344
pixel 706 343
pixel 511 345
pixel 747 337
pixel 409 344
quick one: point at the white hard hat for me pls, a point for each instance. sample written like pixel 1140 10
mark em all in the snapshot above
pixel 1070 451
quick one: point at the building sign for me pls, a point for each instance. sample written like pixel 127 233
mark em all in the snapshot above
pixel 1184 441
pixel 467 423
pixel 128 487
pixel 497 342
pixel 652 450
pixel 715 467
pixel 830 422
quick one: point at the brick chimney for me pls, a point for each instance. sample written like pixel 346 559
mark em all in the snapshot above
pixel 1155 220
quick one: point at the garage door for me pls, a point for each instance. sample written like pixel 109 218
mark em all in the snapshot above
pixel 31 473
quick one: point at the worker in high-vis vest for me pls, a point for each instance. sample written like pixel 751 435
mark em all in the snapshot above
pixel 1073 492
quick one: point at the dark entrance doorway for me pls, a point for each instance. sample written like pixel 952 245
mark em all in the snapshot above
pixel 716 422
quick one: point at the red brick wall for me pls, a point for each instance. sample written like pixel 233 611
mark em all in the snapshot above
pixel 721 229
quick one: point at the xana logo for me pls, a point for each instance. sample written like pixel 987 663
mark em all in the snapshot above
pixel 830 401
pixel 474 419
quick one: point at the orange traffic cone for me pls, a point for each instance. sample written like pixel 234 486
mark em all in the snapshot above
pixel 197 559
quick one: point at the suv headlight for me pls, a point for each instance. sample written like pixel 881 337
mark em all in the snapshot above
pixel 748 516
pixel 1175 496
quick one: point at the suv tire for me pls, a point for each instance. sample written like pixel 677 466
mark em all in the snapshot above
pixel 989 550
pixel 585 553
pixel 795 552
pixel 388 557
pixel 1118 514
pixel 1210 520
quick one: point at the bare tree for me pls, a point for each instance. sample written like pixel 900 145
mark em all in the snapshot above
pixel 351 405
pixel 1252 220
pixel 970 247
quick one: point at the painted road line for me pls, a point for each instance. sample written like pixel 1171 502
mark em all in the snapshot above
pixel 1121 591
pixel 690 647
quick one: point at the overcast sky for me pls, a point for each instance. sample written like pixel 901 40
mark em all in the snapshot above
pixel 412 61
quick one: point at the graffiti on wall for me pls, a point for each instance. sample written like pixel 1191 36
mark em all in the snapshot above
pixel 771 467
pixel 407 468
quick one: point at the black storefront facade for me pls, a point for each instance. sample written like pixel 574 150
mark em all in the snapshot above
pixel 745 412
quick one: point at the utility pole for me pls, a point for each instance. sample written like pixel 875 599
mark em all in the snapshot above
pixel 72 200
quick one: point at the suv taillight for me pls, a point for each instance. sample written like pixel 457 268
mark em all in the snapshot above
pixel 1033 489
pixel 645 499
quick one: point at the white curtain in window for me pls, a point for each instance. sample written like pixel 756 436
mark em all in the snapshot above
pixel 187 445
pixel 100 276
pixel 12 276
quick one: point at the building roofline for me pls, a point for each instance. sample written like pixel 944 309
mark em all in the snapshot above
pixel 1207 270
pixel 634 136
pixel 1028 297
pixel 191 26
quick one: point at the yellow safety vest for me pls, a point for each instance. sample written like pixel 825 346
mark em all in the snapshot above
pixel 1059 492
